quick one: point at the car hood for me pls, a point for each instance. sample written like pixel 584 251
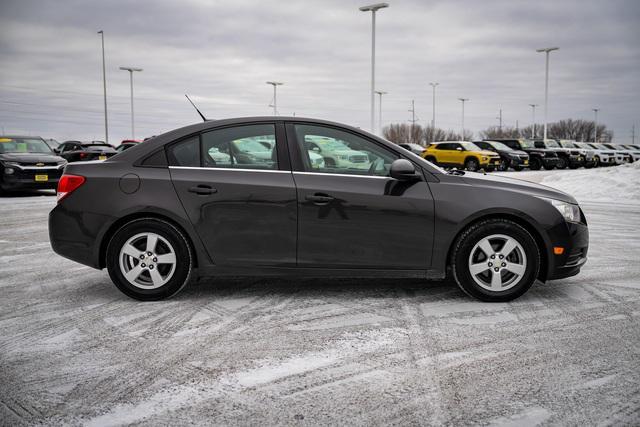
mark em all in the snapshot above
pixel 514 184
pixel 487 153
pixel 30 157
pixel 516 152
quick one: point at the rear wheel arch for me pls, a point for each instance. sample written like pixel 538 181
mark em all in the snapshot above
pixel 542 247
pixel 121 222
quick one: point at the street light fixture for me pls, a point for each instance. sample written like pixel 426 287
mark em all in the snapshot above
pixel 380 93
pixel 463 100
pixel 373 8
pixel 595 131
pixel 104 86
pixel 533 131
pixel 546 86
pixel 275 104
pixel 131 70
pixel 433 118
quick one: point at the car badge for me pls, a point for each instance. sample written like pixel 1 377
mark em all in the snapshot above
pixel 39 164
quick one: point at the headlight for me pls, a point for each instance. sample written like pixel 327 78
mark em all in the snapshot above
pixel 343 157
pixel 569 211
pixel 485 158
pixel 5 163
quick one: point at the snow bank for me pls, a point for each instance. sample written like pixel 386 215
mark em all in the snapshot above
pixel 619 184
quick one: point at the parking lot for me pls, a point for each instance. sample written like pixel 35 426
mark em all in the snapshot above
pixel 73 349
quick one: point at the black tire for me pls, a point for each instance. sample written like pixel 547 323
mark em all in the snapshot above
pixel 535 163
pixel 562 163
pixel 465 243
pixel 596 162
pixel 503 165
pixel 517 168
pixel 183 258
pixel 471 164
pixel 549 167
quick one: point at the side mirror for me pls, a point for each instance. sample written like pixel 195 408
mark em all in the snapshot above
pixel 403 170
pixel 459 148
pixel 56 150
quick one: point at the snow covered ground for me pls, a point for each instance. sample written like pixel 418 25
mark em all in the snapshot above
pixel 74 350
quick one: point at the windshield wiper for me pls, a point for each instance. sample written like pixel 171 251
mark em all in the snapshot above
pixel 456 172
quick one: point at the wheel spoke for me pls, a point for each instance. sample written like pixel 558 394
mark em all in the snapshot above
pixel 156 278
pixel 133 274
pixel 152 241
pixel 496 280
pixel 475 269
pixel 515 268
pixel 508 247
pixel 486 247
pixel 169 258
pixel 131 250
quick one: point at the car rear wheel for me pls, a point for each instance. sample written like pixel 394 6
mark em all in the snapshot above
pixel 149 259
pixel 495 260
pixel 471 164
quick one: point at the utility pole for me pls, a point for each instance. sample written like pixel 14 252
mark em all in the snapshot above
pixel 633 134
pixel 463 100
pixel 131 70
pixel 433 118
pixel 595 129
pixel 533 130
pixel 373 8
pixel 380 93
pixel 275 103
pixel 546 86
pixel 413 113
pixel 104 87
pixel 500 120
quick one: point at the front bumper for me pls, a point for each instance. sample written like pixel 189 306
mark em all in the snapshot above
pixel 549 161
pixel 522 162
pixel 574 238
pixel 25 179
pixel 576 160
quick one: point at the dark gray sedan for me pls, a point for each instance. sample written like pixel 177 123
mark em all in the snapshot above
pixel 245 197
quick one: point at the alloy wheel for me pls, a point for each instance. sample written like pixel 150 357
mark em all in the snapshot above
pixel 497 262
pixel 147 260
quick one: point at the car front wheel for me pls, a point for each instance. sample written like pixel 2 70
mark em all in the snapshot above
pixel 149 259
pixel 471 164
pixel 495 260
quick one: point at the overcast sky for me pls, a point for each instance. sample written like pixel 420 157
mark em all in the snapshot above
pixel 223 52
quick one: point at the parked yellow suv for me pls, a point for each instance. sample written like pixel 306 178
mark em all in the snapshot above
pixel 461 154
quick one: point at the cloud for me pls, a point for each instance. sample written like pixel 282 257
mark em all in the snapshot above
pixel 223 52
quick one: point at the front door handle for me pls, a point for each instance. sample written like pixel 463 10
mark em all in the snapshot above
pixel 203 190
pixel 319 198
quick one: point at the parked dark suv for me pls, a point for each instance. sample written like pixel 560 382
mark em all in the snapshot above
pixel 75 151
pixel 27 162
pixel 538 157
pixel 509 158
pixel 567 157
pixel 164 211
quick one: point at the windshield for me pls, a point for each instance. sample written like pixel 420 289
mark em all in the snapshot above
pixel 525 143
pixel 499 146
pixel 470 146
pixel 567 144
pixel 330 144
pixel 583 145
pixel 602 146
pixel 23 145
pixel 552 143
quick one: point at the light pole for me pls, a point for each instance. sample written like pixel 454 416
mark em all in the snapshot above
pixel 104 86
pixel 131 70
pixel 373 8
pixel 595 130
pixel 275 104
pixel 433 118
pixel 533 130
pixel 380 93
pixel 463 100
pixel 546 86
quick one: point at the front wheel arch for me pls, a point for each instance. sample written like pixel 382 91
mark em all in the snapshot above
pixel 542 247
pixel 108 235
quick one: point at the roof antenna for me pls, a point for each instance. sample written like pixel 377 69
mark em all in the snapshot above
pixel 194 106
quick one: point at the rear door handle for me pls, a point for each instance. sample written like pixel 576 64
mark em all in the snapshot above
pixel 203 190
pixel 319 199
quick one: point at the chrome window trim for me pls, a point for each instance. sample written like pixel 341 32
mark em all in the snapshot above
pixel 341 174
pixel 228 169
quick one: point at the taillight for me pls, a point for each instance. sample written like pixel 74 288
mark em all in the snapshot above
pixel 68 184
pixel 83 155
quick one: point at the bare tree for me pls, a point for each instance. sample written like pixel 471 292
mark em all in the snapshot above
pixel 404 133
pixel 501 132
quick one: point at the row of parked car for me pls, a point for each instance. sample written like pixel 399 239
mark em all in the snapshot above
pixel 518 154
pixel 31 162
